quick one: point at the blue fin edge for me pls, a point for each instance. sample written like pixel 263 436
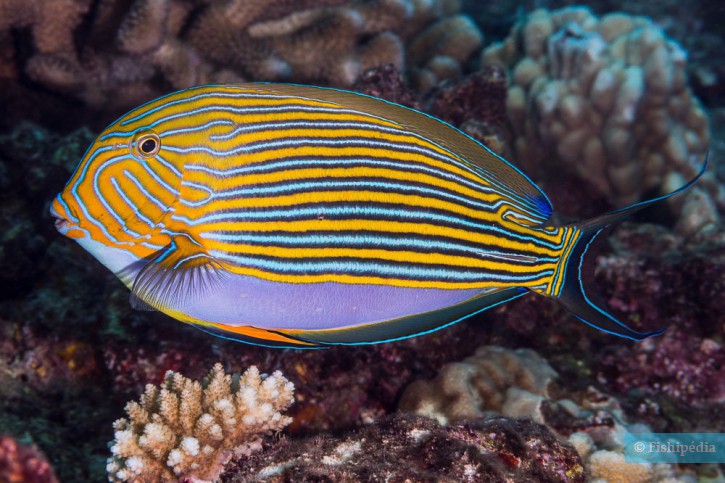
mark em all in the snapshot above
pixel 573 296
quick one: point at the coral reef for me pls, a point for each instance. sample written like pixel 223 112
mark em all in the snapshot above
pixel 493 380
pixel 608 98
pixel 185 429
pixel 519 384
pixel 133 51
pixel 408 448
pixel 23 464
pixel 386 82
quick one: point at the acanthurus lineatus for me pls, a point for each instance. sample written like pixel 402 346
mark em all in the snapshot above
pixel 294 216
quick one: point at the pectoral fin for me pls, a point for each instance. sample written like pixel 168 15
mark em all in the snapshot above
pixel 178 275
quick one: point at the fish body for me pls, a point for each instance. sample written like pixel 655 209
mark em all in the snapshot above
pixel 297 216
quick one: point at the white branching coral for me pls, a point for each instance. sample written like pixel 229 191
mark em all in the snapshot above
pixel 186 429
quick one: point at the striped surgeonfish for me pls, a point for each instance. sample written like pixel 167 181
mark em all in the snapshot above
pixel 294 216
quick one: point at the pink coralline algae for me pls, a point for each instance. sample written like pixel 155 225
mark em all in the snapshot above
pixel 683 366
pixel 688 362
pixel 23 464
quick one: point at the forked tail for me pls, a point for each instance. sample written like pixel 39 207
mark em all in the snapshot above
pixel 572 294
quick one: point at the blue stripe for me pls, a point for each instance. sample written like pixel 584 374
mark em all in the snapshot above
pixel 210 194
pixel 237 95
pixel 82 206
pixel 317 142
pixel 170 132
pixel 168 166
pixel 542 206
pixel 363 267
pixel 145 192
pixel 217 108
pixel 254 127
pixel 356 185
pixel 131 205
pixel 68 212
pixel 99 195
pixel 160 181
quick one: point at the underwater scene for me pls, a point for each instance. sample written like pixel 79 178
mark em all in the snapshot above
pixel 372 240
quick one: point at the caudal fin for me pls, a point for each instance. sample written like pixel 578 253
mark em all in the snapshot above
pixel 572 294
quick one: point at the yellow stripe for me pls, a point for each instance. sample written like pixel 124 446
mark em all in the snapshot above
pixel 365 280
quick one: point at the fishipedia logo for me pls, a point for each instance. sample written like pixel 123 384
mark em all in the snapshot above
pixel 674 448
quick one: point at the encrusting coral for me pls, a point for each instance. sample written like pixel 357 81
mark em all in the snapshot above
pixel 493 380
pixel 606 96
pixel 187 429
pixel 131 51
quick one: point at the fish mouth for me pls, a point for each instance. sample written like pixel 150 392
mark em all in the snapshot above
pixel 60 223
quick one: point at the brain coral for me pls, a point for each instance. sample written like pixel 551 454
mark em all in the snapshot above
pixel 606 96
pixel 185 429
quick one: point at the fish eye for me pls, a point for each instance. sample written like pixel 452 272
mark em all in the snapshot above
pixel 145 144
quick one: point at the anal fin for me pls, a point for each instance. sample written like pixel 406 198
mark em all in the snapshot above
pixel 256 336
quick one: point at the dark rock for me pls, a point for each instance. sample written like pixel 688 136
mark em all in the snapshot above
pixel 408 448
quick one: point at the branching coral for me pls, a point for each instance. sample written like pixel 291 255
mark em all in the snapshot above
pixel 607 96
pixel 130 51
pixel 188 429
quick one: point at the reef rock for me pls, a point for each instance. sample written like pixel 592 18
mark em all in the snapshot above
pixel 412 448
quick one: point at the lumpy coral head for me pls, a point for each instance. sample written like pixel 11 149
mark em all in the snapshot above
pixel 607 97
